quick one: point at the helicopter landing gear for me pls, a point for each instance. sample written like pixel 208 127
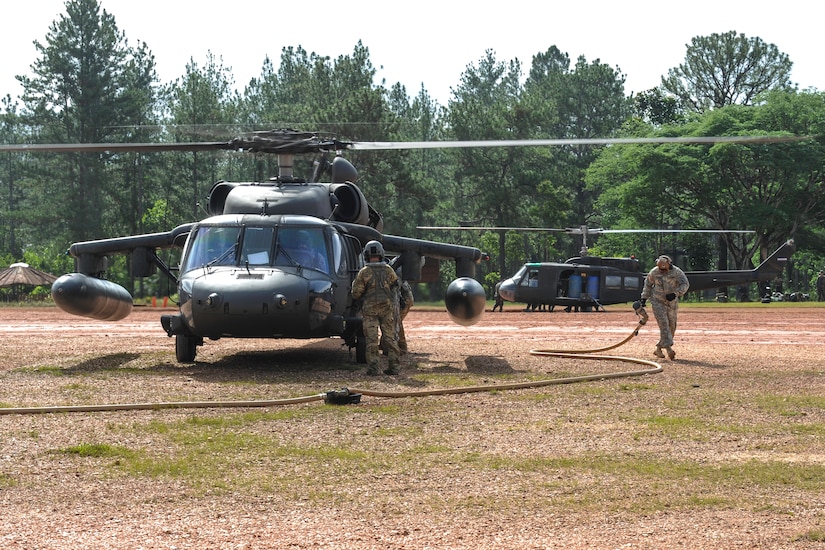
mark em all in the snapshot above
pixel 186 347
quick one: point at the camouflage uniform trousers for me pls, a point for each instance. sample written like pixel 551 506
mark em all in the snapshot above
pixel 402 338
pixel 666 314
pixel 383 320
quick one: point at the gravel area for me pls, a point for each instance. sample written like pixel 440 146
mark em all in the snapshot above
pixel 611 463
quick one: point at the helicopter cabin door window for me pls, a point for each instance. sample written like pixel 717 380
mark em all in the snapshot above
pixel 212 245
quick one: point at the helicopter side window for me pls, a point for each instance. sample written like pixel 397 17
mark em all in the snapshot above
pixel 257 244
pixel 633 283
pixel 305 247
pixel 339 259
pixel 211 246
pixel 613 281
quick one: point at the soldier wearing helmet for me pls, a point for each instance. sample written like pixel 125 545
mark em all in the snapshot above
pixel 376 285
pixel 664 285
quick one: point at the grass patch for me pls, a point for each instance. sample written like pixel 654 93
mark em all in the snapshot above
pixel 99 450
pixel 48 370
pixel 790 406
pixel 6 481
pixel 812 536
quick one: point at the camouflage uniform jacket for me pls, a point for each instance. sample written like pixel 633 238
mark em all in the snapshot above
pixel 406 297
pixel 377 286
pixel 659 284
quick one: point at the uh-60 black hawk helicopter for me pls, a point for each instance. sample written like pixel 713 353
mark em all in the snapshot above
pixel 276 259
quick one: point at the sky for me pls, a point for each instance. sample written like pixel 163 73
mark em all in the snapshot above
pixel 428 42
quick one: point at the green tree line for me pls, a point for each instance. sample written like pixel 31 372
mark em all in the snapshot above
pixel 89 84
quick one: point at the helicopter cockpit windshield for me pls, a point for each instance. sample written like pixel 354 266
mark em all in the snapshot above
pixel 212 246
pixel 259 246
pixel 302 246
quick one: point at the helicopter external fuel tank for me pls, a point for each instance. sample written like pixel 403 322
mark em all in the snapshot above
pixel 87 296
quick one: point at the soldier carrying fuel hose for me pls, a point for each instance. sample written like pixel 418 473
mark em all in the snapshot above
pixel 664 285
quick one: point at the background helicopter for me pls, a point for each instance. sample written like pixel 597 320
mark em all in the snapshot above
pixel 276 259
pixel 586 282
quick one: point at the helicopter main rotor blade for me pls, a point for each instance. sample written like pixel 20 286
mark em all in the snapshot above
pixel 259 142
pixel 398 145
pixel 112 147
pixel 305 142
pixel 281 141
pixel 577 230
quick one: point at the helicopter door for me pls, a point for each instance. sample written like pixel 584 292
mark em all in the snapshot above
pixel 530 285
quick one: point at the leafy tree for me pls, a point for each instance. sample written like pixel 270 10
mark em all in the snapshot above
pixel 136 175
pixel 11 172
pixel 78 94
pixel 586 101
pixel 658 108
pixel 203 103
pixel 425 190
pixel 489 189
pixel 774 189
pixel 727 69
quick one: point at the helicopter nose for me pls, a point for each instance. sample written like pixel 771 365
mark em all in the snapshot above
pixel 507 290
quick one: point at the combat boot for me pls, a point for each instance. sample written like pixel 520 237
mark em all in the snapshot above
pixel 372 370
pixel 671 354
pixel 658 353
pixel 392 369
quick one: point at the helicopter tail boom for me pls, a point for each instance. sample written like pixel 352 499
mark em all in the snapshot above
pixel 770 269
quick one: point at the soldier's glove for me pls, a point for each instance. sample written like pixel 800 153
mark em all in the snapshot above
pixel 670 297
pixel 643 302
pixel 637 305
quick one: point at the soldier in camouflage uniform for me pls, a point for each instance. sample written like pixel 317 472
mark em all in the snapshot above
pixel 377 286
pixel 499 301
pixel 405 303
pixel 664 285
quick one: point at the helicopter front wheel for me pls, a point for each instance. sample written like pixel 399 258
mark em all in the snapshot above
pixel 186 347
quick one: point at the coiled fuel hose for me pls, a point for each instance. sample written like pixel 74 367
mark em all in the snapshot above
pixel 353 395
pixel 653 368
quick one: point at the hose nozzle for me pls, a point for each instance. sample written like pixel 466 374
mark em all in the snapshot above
pixel 639 308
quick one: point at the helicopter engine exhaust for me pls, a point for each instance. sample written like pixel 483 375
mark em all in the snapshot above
pixel 465 301
pixel 86 296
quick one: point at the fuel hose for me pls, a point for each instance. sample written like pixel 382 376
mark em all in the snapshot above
pixel 353 395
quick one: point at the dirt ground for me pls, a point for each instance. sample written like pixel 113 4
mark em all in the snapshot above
pixel 51 502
